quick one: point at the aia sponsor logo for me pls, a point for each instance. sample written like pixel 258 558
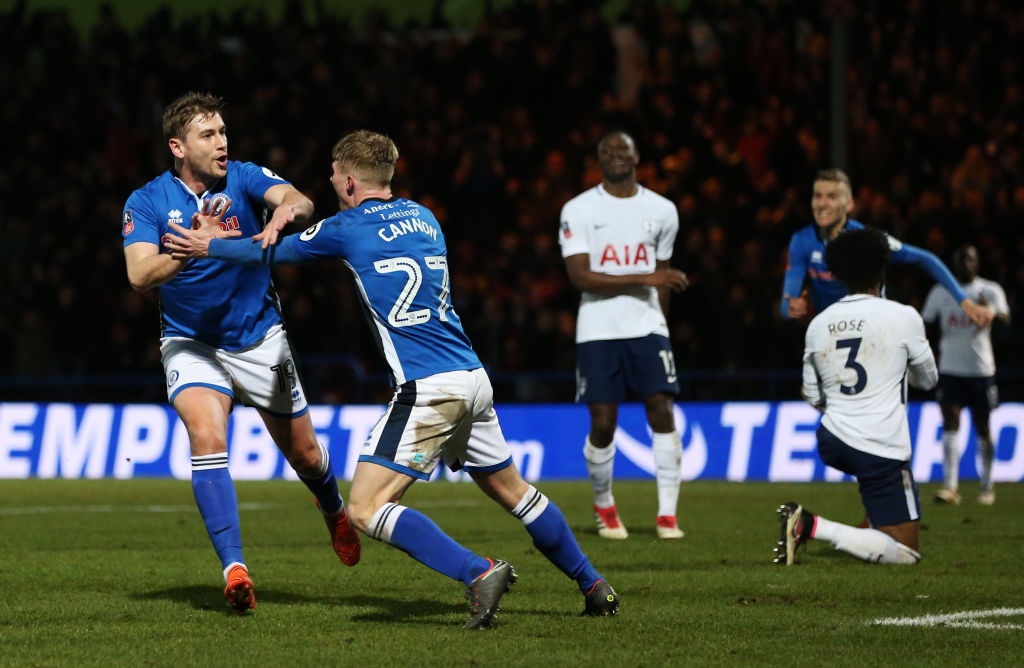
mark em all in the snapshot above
pixel 626 256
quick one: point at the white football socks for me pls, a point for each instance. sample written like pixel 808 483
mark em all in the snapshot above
pixel 867 544
pixel 668 456
pixel 950 460
pixel 600 462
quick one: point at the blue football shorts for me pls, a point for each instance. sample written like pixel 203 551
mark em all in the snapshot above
pixel 617 370
pixel 887 487
pixel 980 394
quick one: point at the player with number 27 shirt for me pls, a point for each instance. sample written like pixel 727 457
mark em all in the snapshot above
pixel 443 406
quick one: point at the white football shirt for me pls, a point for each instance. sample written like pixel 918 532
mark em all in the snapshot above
pixel 622 235
pixel 857 355
pixel 964 348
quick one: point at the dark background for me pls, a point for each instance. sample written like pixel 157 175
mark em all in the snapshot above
pixel 731 104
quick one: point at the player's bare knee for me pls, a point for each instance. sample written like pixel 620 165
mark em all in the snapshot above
pixel 207 440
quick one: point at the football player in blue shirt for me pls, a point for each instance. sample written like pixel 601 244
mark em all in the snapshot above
pixel 807 274
pixel 443 406
pixel 221 333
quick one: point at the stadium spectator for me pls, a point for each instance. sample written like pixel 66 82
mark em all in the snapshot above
pixel 617 241
pixel 967 370
pixel 443 405
pixel 860 352
pixel 221 334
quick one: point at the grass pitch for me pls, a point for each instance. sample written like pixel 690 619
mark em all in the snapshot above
pixel 121 573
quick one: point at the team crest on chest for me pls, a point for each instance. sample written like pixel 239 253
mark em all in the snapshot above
pixel 651 227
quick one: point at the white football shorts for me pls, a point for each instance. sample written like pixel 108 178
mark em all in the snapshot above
pixel 263 375
pixel 448 415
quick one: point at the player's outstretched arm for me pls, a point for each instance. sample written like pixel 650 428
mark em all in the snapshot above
pixel 199 244
pixel 926 260
pixel 290 206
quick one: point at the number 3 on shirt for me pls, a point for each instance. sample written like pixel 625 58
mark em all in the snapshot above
pixel 400 315
pixel 851 363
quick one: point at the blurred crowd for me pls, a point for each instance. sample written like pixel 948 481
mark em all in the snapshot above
pixel 729 102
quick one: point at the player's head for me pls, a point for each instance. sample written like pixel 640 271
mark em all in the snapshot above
pixel 617 157
pixel 197 135
pixel 858 259
pixel 362 161
pixel 965 263
pixel 832 198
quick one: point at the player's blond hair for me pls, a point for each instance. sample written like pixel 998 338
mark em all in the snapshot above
pixel 371 156
pixel 185 108
pixel 835 176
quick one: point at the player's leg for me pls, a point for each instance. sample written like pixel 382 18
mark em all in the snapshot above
pixel 266 378
pixel 890 498
pixel 651 373
pixel 297 441
pixel 986 400
pixel 376 511
pixel 404 446
pixel 551 535
pixel 199 388
pixel 204 412
pixel 486 456
pixel 894 544
pixel 600 384
pixel 599 454
pixel 667 447
pixel 947 394
pixel 374 506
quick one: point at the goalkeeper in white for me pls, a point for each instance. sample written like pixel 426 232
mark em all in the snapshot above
pixel 859 354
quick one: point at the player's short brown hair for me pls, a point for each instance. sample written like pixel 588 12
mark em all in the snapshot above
pixel 185 108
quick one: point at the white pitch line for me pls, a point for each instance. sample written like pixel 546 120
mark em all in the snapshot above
pixel 964 620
